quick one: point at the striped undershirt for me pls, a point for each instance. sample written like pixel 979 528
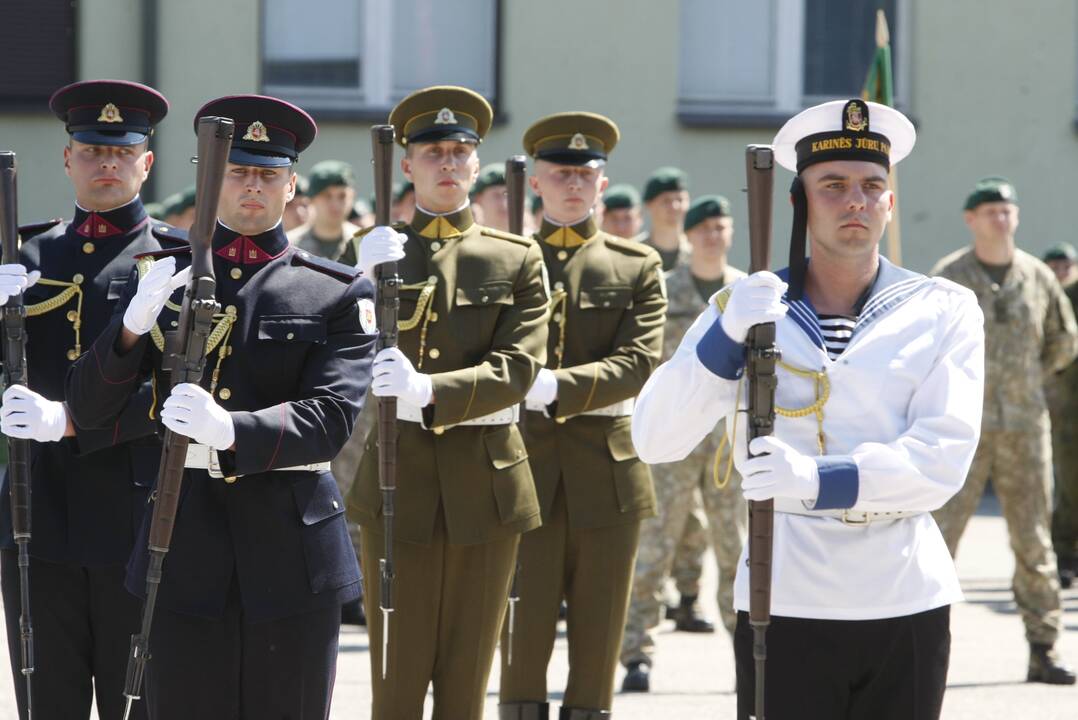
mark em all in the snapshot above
pixel 837 331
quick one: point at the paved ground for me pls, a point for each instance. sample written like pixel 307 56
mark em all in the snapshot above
pixel 694 675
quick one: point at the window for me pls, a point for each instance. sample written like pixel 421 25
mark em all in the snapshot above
pixel 38 38
pixel 759 62
pixel 374 52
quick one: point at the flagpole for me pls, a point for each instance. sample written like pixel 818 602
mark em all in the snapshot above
pixel 883 42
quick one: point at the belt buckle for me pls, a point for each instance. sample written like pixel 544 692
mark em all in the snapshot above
pixel 847 518
pixel 213 466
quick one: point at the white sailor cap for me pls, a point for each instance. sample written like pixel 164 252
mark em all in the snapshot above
pixel 844 130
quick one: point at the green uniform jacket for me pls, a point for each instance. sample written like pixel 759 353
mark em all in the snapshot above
pixel 472 315
pixel 613 312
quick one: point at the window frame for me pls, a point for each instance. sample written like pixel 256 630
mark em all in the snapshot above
pixel 378 113
pixel 39 104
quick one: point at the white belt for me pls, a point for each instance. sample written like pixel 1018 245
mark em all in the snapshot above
pixel 848 517
pixel 506 416
pixel 618 409
pixel 203 457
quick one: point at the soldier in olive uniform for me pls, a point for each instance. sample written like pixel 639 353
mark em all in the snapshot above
pixel 1029 334
pixel 1062 394
pixel 666 198
pixel 89 486
pixel 473 336
pixel 606 315
pixel 707 470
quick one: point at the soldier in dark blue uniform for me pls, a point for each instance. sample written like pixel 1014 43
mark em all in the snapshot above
pixel 89 486
pixel 260 562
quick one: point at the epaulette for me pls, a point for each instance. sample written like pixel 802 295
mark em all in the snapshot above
pixel 165 252
pixel 491 232
pixel 164 231
pixel 363 231
pixel 629 247
pixel 34 229
pixel 337 270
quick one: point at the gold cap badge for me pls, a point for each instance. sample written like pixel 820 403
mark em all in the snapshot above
pixel 579 142
pixel 256 132
pixel 110 114
pixel 855 119
pixel 445 117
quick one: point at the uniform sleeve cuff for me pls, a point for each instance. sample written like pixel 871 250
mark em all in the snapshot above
pixel 839 482
pixel 720 354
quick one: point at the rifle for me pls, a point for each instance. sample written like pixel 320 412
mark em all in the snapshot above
pixel 18 466
pixel 184 359
pixel 515 167
pixel 388 307
pixel 761 357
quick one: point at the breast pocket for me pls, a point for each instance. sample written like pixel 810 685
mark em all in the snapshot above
pixel 612 297
pixel 116 288
pixel 292 328
pixel 479 306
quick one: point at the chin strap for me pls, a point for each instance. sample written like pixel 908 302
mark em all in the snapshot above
pixel 798 264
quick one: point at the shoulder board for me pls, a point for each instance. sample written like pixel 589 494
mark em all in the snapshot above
pixel 165 252
pixel 363 231
pixel 722 297
pixel 33 229
pixel 491 232
pixel 629 247
pixel 337 270
pixel 167 233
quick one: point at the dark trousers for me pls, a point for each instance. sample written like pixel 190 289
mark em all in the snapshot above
pixel 83 619
pixel 890 669
pixel 227 669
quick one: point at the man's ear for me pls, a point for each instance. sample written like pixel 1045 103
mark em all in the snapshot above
pixel 533 183
pixel 406 167
pixel 67 160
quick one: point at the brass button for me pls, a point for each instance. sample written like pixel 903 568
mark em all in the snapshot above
pixel 163 228
pixel 77 279
pixel 336 505
pixel 557 317
pixel 562 255
pixel 606 303
pixel 559 285
pixel 484 298
pixel 434 353
pixel 432 279
pixel 291 336
pixel 433 316
pixel 230 479
pixel 72 316
pixel 88 247
pixel 560 421
pixel 230 310
pixel 72 355
pixel 435 246
pixel 175 323
pixel 236 273
pixel 438 430
pixel 519 453
pixel 225 393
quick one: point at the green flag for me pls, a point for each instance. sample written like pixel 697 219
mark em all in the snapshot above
pixel 879 85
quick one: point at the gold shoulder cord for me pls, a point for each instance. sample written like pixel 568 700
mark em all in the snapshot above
pixel 559 310
pixel 423 310
pixel 823 393
pixel 71 289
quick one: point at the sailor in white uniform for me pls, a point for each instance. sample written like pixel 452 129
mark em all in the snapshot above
pixel 879 409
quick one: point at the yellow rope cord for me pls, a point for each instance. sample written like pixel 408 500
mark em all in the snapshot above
pixel 559 305
pixel 423 310
pixel 722 443
pixel 71 289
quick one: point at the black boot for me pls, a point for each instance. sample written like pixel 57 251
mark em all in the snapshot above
pixel 689 619
pixel 524 711
pixel 1046 667
pixel 352 613
pixel 582 714
pixel 1068 569
pixel 637 678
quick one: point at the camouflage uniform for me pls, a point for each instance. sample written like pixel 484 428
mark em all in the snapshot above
pixel 676 485
pixel 1063 408
pixel 1029 334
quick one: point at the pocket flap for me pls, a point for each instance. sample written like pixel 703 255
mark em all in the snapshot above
pixel 606 297
pixel 116 288
pixel 292 328
pixel 317 498
pixel 505 448
pixel 500 293
pixel 620 442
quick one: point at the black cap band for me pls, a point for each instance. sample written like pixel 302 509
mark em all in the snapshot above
pixel 798 230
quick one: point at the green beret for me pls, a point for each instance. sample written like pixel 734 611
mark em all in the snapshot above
pixel 489 176
pixel 329 173
pixel 176 203
pixel 991 189
pixel 621 197
pixel 704 207
pixel 536 204
pixel 400 190
pixel 665 179
pixel 303 186
pixel 155 210
pixel 1061 251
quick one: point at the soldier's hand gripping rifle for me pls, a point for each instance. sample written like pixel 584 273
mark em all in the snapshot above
pixel 515 167
pixel 388 306
pixel 184 358
pixel 18 464
pixel 761 358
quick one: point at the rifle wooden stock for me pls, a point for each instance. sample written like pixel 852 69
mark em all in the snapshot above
pixel 515 167
pixel 185 359
pixel 15 373
pixel 761 358
pixel 388 306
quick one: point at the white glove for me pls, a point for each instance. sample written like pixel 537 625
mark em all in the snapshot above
pixel 753 300
pixel 26 415
pixel 153 290
pixel 545 388
pixel 394 376
pixel 14 279
pixel 191 411
pixel 381 245
pixel 777 471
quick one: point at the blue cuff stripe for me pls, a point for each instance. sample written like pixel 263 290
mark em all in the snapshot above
pixel 840 482
pixel 720 354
